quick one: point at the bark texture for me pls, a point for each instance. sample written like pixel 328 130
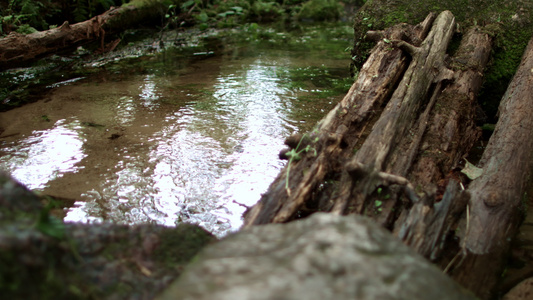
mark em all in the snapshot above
pixel 498 195
pixel 338 134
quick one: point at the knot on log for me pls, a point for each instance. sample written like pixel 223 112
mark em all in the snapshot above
pixel 493 199
pixel 298 143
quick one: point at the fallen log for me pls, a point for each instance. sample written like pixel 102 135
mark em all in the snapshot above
pixel 336 181
pixel 393 143
pixel 18 48
pixel 450 134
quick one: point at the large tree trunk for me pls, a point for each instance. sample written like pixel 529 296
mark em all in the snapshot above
pixel 497 196
pixel 401 165
pixel 18 48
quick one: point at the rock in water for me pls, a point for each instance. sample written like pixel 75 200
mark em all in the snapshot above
pixel 322 257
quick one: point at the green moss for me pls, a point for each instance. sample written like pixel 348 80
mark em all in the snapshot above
pixel 320 10
pixel 180 245
pixel 508 21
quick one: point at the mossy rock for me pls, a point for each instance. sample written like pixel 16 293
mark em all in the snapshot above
pixel 85 261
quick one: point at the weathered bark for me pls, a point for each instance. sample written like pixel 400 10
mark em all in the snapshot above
pixel 497 195
pixel 388 152
pixel 448 138
pixel 385 156
pixel 17 48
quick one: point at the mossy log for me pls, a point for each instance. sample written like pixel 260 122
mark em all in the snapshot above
pixel 44 258
pixel 17 48
pixel 401 164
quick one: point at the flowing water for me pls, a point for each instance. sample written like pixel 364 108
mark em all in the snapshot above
pixel 170 139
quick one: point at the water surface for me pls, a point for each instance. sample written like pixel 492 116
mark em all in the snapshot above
pixel 168 140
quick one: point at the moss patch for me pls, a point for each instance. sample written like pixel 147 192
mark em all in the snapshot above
pixel 509 21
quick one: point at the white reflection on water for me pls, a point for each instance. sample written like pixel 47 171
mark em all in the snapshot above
pixel 162 151
pixel 216 158
pixel 45 154
pixel 149 93
pixel 261 117
pixel 204 162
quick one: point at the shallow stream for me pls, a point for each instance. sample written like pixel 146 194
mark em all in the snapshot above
pixel 168 138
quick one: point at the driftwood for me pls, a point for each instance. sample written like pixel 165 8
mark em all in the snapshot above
pixel 401 164
pixel 18 48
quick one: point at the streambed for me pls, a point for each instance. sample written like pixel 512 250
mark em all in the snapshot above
pixel 167 139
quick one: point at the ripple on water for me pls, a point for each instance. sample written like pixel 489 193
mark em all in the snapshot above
pixel 45 154
pixel 198 146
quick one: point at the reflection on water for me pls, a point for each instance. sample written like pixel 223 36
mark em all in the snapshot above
pixel 198 146
pixel 45 154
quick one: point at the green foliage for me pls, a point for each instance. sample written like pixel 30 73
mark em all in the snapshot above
pixel 295 155
pixel 48 224
pixel 85 9
pixel 26 29
pixel 26 16
pixel 21 14
pixel 320 10
pixel 266 11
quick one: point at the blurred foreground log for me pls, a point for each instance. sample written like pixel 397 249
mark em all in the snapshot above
pixel 43 258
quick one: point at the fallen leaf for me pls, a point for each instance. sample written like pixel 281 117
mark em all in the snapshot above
pixel 471 171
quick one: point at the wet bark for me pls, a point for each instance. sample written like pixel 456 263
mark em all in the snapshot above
pixel 401 164
pixel 17 48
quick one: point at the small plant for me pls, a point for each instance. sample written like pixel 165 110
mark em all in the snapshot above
pixel 378 205
pixel 295 155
